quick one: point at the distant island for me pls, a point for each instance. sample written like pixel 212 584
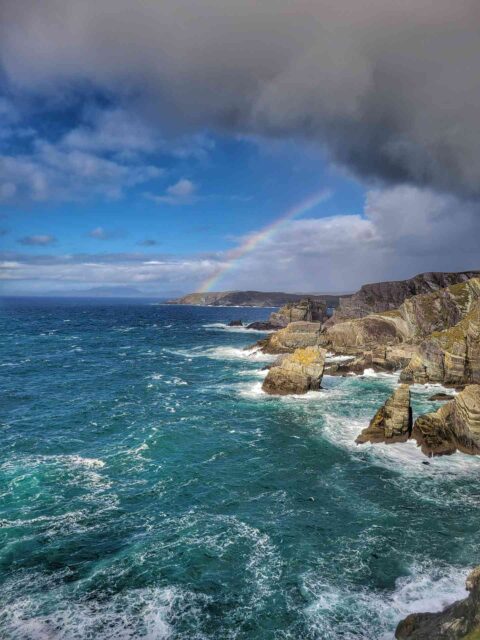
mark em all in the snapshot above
pixel 253 298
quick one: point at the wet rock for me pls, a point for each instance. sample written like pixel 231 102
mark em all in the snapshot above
pixel 392 422
pixel 459 621
pixel 261 326
pixel 296 373
pixel 441 397
pixel 235 323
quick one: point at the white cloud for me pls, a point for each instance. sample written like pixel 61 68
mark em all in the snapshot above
pixel 182 192
pixel 56 172
pixel 403 231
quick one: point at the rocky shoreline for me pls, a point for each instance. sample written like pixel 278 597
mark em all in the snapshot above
pixel 428 328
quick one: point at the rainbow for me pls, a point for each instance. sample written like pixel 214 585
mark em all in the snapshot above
pixel 255 239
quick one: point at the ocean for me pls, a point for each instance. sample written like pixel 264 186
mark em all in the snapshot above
pixel 149 489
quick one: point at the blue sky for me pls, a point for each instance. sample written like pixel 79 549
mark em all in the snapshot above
pixel 142 144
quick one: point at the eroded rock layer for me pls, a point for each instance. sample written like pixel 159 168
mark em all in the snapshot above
pixel 451 357
pixel 384 296
pixel 393 421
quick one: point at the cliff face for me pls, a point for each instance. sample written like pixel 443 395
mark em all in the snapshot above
pixel 451 356
pixel 414 320
pixel 454 426
pixel 249 299
pixel 459 621
pixel 384 296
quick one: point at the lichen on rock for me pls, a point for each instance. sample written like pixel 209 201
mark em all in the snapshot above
pixel 296 373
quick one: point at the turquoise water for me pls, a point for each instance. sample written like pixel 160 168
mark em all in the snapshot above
pixel 149 490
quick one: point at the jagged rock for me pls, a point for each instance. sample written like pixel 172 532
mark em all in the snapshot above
pixel 235 323
pixel 441 397
pixel 298 372
pixel 384 296
pixel 456 425
pixel 392 422
pixel 451 357
pixel 296 335
pixel 459 621
pixel 306 310
pixel 261 326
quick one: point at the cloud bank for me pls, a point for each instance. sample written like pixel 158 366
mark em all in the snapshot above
pixel 390 88
pixel 403 231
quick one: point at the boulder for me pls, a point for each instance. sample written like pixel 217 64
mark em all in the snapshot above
pixel 455 426
pixel 459 621
pixel 393 421
pixel 297 335
pixel 235 323
pixel 297 373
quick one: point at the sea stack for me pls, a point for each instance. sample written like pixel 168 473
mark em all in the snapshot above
pixel 392 422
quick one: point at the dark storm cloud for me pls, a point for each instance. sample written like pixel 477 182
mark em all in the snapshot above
pixel 390 87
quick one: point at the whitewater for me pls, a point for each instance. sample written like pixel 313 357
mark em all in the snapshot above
pixel 149 489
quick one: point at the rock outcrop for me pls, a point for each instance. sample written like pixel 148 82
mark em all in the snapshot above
pixel 455 426
pixel 306 310
pixel 296 335
pixel 297 373
pixel 382 358
pixel 392 422
pixel 459 621
pixel 384 296
pixel 451 357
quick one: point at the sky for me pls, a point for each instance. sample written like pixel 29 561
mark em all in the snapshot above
pixel 159 148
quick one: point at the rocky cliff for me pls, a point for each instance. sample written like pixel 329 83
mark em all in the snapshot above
pixel 384 296
pixel 459 621
pixel 451 357
pixel 455 426
pixel 414 320
pixel 298 372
